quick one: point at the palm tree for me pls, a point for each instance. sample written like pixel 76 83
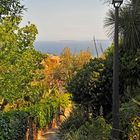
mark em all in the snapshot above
pixel 129 29
pixel 129 24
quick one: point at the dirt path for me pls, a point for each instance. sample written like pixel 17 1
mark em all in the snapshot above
pixel 50 135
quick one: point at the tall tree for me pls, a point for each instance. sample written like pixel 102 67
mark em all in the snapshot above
pixel 19 62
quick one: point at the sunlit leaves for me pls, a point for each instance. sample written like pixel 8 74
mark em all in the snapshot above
pixel 10 7
pixel 18 60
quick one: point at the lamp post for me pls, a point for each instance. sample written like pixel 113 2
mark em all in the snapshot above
pixel 115 107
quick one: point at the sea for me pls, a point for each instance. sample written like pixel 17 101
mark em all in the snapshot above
pixel 56 47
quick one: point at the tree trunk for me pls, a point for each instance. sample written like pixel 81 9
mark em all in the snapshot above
pixel 32 131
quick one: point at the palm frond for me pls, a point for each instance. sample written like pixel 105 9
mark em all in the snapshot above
pixel 129 24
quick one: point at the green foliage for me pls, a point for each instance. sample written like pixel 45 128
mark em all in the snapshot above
pixel 13 125
pixel 72 123
pixel 51 102
pixel 92 85
pixel 76 127
pixel 24 98
pixel 11 7
pixel 130 69
pixel 19 62
pixel 87 77
pixel 129 25
pixel 130 117
pixel 96 129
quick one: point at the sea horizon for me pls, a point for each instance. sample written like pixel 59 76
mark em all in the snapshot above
pixel 57 47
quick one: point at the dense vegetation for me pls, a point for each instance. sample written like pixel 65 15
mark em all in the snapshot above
pixel 36 88
pixel 26 102
pixel 32 85
pixel 91 87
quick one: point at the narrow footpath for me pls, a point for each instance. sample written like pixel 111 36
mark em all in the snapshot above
pixel 50 135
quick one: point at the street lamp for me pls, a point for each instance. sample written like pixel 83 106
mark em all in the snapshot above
pixel 117 3
pixel 115 97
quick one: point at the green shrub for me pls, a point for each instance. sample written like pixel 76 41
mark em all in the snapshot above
pixel 13 125
pixel 130 119
pixel 76 127
pixel 72 123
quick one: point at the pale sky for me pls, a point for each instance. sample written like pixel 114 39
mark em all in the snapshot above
pixel 66 19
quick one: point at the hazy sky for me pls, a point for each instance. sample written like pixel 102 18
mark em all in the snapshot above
pixel 66 19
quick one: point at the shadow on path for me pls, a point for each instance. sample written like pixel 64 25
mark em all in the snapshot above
pixel 50 135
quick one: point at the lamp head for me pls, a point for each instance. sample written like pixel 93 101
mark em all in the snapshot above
pixel 117 3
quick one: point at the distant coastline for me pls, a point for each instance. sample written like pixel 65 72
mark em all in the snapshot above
pixel 56 47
